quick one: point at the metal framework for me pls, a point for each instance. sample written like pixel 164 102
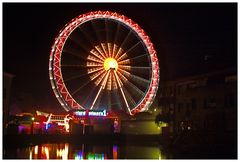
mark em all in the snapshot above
pixel 57 82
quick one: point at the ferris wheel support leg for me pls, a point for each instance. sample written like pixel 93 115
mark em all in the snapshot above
pixel 124 97
pixel 102 87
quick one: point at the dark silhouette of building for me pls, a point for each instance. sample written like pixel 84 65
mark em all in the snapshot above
pixel 206 102
pixel 7 81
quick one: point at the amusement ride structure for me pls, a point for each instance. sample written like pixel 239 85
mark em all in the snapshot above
pixel 104 61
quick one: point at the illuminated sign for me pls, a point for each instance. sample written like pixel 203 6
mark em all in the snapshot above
pixel 80 113
pixel 91 113
pixel 97 113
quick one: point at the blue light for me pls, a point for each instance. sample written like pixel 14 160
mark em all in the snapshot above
pixel 48 126
pixel 79 156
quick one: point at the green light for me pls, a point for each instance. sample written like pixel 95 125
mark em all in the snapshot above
pixel 90 156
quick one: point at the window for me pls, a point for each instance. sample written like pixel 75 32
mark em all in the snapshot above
pixel 180 107
pixel 179 90
pixel 171 91
pixel 210 103
pixel 193 102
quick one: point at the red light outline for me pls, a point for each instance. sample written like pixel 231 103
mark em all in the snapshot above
pixel 59 88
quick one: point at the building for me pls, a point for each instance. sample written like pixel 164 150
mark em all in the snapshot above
pixel 203 102
pixel 7 82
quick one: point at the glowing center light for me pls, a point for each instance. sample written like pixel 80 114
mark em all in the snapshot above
pixel 110 63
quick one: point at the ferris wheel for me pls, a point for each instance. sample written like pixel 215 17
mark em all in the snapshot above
pixel 104 60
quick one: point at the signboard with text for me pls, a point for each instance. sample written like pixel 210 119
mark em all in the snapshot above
pixel 94 113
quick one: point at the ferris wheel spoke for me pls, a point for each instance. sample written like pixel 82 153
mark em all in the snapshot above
pixel 93 64
pixel 89 95
pixel 135 77
pixel 93 77
pixel 114 50
pixel 123 56
pixel 129 97
pixel 120 51
pixel 72 66
pixel 98 76
pixel 130 59
pixel 139 91
pixel 102 45
pixel 100 51
pixel 106 29
pixel 110 49
pixel 128 68
pixel 95 70
pixel 74 54
pixel 115 47
pixel 90 41
pixel 78 89
pixel 86 35
pixel 81 44
pixel 99 91
pixel 109 45
pixel 105 49
pixel 89 65
pixel 75 77
pixel 109 102
pixel 121 89
pixel 95 59
pixel 96 54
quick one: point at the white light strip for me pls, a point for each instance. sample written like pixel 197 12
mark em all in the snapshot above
pixel 118 81
pixel 102 87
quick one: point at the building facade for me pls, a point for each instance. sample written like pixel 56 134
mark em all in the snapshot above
pixel 203 102
pixel 7 84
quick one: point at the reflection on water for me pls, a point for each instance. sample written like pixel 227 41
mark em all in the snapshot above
pixel 84 151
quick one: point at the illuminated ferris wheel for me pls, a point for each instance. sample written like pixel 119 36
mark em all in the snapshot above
pixel 104 60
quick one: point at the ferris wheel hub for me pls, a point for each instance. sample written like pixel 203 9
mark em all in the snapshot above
pixel 110 63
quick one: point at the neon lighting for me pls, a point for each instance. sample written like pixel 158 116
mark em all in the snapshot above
pixel 30 155
pixel 63 153
pixel 124 97
pixel 46 150
pixel 114 51
pixel 93 156
pixel 80 113
pixel 97 113
pixel 36 149
pixel 102 87
pixel 79 156
pixel 115 152
pixel 47 126
pixel 104 47
pixel 110 63
pixel 91 113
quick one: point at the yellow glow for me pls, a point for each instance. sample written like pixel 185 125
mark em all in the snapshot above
pixel 36 149
pixel 110 63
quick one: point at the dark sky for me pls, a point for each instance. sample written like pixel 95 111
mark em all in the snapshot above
pixel 189 38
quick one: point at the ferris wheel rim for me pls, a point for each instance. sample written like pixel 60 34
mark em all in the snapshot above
pixel 57 82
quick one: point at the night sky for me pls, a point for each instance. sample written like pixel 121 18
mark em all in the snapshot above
pixel 190 39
